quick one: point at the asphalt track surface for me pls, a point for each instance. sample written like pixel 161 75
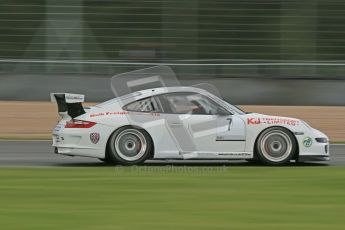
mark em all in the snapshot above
pixel 40 153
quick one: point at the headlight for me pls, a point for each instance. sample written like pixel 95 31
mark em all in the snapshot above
pixel 321 139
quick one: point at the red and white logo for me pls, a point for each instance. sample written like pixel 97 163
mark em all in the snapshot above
pixel 94 137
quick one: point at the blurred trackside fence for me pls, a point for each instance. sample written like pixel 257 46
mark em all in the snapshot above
pixel 188 69
pixel 282 52
pixel 218 68
pixel 213 38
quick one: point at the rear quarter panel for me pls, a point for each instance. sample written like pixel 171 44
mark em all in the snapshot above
pixel 114 117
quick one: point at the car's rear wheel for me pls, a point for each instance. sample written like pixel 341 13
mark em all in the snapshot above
pixel 276 146
pixel 130 146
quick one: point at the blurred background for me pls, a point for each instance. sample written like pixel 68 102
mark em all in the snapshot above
pixel 266 52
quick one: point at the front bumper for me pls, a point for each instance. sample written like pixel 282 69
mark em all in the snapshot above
pixel 313 158
pixel 313 146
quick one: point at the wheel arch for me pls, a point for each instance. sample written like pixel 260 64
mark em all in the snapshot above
pixel 295 157
pixel 129 126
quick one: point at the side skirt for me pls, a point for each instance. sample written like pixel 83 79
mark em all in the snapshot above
pixel 221 155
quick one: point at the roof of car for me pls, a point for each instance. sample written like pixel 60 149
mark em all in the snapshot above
pixel 137 95
pixel 160 90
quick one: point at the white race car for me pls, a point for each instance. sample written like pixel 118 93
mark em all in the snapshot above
pixel 180 123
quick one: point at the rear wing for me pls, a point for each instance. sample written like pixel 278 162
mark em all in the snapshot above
pixel 68 103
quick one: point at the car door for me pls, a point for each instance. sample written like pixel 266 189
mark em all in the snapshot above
pixel 176 121
pixel 149 114
pixel 202 125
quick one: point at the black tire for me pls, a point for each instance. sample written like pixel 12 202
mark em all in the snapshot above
pixel 129 146
pixel 276 146
pixel 106 160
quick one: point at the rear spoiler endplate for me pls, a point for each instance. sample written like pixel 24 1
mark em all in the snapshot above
pixel 69 103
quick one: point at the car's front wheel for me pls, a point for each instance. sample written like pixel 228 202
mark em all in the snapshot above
pixel 276 146
pixel 129 146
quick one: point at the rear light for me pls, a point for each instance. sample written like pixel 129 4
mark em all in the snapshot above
pixel 79 124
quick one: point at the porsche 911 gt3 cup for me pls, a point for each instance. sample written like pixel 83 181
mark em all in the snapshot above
pixel 180 123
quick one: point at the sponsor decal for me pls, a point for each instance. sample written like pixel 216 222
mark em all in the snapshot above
pixel 307 142
pixel 94 137
pixel 253 121
pixel 74 98
pixel 101 114
pixel 155 114
pixel 272 121
pixel 71 97
pixel 235 154
pixel 108 114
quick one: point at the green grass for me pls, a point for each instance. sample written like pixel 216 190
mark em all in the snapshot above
pixel 172 197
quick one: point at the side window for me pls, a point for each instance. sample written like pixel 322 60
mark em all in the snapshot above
pixel 193 103
pixel 144 105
